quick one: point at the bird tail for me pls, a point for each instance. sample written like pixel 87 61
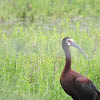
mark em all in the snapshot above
pixel 98 92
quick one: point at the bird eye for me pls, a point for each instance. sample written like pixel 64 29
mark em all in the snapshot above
pixel 68 40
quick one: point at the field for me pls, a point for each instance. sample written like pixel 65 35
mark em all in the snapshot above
pixel 31 60
pixel 31 55
pixel 31 10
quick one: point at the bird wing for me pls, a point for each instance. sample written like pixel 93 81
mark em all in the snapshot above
pixel 83 84
pixel 86 89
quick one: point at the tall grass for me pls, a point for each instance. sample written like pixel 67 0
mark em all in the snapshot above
pixel 32 9
pixel 31 61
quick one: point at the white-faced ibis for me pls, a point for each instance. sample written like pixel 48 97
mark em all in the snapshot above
pixel 74 84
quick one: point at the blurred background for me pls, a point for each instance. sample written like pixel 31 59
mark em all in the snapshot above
pixel 31 10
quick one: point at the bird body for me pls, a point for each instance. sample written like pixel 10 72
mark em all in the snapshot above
pixel 74 84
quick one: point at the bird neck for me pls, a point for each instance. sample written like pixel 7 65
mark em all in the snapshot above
pixel 68 59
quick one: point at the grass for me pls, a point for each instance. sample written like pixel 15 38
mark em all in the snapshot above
pixel 30 10
pixel 31 60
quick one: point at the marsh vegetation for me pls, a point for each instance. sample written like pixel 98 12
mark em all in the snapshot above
pixel 31 55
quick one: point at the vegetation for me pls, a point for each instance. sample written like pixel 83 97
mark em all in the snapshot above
pixel 31 57
pixel 31 60
pixel 34 9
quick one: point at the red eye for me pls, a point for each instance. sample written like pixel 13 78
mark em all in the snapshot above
pixel 69 41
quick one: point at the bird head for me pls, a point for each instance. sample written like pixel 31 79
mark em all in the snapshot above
pixel 67 41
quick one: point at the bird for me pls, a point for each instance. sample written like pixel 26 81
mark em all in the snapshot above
pixel 74 84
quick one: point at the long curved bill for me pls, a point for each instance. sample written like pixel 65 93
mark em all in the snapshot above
pixel 75 45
